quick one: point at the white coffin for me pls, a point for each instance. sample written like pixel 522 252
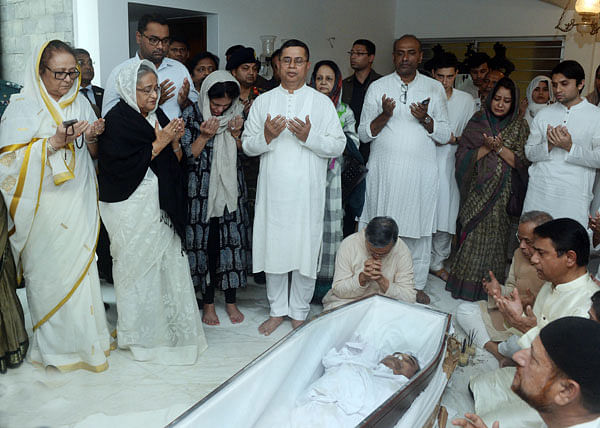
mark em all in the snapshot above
pixel 263 393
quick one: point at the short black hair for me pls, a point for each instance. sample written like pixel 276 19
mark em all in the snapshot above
pixel 369 45
pixel 571 70
pixel 232 49
pixel 148 18
pixel 596 303
pixel 296 43
pixel 381 232
pixel 224 89
pixel 181 39
pixel 81 51
pixel 276 53
pixel 445 60
pixel 52 47
pixel 203 55
pixel 566 234
pixel 477 59
pixel 408 36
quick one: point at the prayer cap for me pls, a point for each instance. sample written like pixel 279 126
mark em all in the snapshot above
pixel 573 344
pixel 241 56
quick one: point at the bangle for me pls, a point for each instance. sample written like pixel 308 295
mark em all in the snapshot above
pixel 499 151
pixel 51 148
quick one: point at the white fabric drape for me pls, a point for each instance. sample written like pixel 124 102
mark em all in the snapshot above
pixel 54 225
pixel 223 186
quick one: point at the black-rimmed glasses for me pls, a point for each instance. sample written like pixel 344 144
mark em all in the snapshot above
pixel 62 75
pixel 154 41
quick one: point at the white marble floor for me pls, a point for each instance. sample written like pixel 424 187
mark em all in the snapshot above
pixel 132 394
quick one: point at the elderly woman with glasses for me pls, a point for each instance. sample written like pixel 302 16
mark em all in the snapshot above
pixel 48 182
pixel 141 184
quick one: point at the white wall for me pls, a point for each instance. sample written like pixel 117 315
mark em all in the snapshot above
pixel 494 18
pixel 237 22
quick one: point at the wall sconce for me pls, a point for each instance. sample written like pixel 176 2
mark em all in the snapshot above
pixel 588 10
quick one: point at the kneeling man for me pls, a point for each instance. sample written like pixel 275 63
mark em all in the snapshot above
pixel 372 261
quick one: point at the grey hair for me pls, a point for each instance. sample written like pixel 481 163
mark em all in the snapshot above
pixel 381 232
pixel 143 70
pixel 536 217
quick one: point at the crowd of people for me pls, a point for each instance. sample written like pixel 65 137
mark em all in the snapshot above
pixel 185 179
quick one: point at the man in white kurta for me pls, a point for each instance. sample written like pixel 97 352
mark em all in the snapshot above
pixel 461 107
pixel 295 130
pixel 403 115
pixel 564 148
pixel 567 293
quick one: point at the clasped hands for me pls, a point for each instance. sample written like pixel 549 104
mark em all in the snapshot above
pixel 91 131
pixel 559 136
pixel 275 126
pixel 372 272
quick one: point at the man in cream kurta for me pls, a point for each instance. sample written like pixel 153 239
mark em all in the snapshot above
pixel 461 107
pixel 567 293
pixel 565 156
pixel 404 114
pixel 295 130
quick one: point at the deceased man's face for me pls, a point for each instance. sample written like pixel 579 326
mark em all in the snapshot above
pixel 401 364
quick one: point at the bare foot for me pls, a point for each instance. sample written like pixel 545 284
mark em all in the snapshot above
pixel 422 297
pixel 209 315
pixel 270 325
pixel 235 316
pixel 296 323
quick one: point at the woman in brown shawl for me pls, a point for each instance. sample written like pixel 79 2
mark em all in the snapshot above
pixel 13 338
pixel 490 156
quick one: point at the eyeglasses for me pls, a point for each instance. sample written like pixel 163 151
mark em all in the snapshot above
pixel 404 89
pixel 154 41
pixel 527 241
pixel 147 91
pixel 62 75
pixel 288 61
pixel 355 53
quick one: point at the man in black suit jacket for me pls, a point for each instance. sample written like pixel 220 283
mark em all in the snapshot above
pixel 93 93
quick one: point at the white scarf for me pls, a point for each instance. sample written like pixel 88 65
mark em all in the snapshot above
pixel 222 187
pixel 533 108
pixel 126 85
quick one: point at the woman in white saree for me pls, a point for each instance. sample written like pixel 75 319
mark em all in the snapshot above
pixel 143 207
pixel 48 182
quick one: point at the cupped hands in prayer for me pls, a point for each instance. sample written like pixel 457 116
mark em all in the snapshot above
pixel 235 126
pixel 274 127
pixel 511 308
pixel 559 136
pixel 94 130
pixel 299 129
pixel 388 105
pixel 492 287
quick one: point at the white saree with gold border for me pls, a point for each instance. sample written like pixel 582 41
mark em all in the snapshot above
pixel 53 226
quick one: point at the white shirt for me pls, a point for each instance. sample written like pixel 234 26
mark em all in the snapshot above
pixel 402 181
pixel 290 196
pixel 461 107
pixel 168 69
pixel 88 92
pixel 560 182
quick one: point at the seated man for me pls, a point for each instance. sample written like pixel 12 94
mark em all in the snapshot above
pixel 559 377
pixel 483 317
pixel 372 261
pixel 560 254
pixel 356 380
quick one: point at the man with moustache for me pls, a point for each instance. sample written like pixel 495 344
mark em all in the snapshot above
pixel 404 115
pixel 93 93
pixel 558 376
pixel 295 130
pixel 244 66
pixel 479 66
pixel 564 149
pixel 176 89
pixel 179 49
pixel 560 254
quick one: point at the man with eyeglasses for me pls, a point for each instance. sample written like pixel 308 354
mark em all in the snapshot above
pixel 176 89
pixel 295 130
pixel 404 115
pixel 93 93
pixel 483 317
pixel 561 251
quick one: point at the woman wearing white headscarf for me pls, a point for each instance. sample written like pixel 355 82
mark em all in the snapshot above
pixel 143 208
pixel 217 236
pixel 48 181
pixel 539 95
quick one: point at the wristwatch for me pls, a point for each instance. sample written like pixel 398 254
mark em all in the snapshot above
pixel 427 120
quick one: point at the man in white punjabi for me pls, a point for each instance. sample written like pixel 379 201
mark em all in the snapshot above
pixel 372 261
pixel 564 148
pixel 558 376
pixel 176 89
pixel 479 66
pixel 295 130
pixel 461 107
pixel 561 251
pixel 404 114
